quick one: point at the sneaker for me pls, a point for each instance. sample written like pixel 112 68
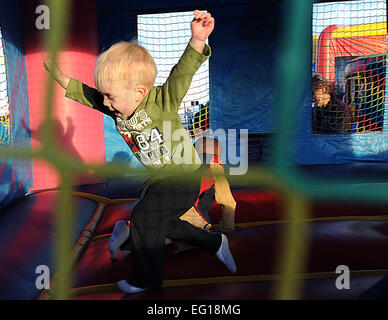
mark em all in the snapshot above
pixel 126 287
pixel 225 256
pixel 119 235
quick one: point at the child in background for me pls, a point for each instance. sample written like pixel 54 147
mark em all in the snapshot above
pixel 214 186
pixel 329 114
pixel 147 117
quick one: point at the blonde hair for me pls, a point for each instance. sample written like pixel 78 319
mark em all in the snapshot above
pixel 126 61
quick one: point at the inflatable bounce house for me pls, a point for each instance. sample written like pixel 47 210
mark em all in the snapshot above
pixel 311 215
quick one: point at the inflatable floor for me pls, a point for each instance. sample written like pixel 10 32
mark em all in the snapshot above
pixel 340 233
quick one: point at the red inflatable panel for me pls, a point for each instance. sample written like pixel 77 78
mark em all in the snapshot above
pixel 349 236
pixel 112 214
pixel 265 205
pixel 253 206
pixel 79 130
pixel 357 244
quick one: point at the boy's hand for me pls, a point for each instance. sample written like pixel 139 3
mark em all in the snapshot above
pixel 58 75
pixel 201 27
pixel 50 66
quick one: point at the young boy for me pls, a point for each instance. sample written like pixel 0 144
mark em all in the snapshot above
pixel 147 119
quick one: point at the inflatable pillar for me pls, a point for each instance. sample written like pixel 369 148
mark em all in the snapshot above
pixel 79 130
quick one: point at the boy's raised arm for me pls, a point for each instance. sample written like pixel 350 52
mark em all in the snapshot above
pixel 179 80
pixel 77 90
pixel 201 27
pixel 59 76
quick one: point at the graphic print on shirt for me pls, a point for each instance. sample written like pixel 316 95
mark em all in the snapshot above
pixel 152 150
pixel 147 144
pixel 137 122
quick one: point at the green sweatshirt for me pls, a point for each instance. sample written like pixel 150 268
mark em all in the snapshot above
pixel 154 132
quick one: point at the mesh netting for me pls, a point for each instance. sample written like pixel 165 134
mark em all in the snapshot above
pixel 349 59
pixel 166 36
pixel 4 106
pixel 5 130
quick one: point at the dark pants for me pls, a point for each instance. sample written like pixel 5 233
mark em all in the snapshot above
pixel 155 218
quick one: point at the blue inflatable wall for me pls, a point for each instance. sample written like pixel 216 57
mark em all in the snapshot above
pixel 15 175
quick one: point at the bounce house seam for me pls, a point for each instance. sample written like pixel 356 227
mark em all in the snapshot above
pixel 271 222
pixel 90 196
pixel 104 199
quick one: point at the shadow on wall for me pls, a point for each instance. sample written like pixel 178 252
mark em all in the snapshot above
pixel 63 137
